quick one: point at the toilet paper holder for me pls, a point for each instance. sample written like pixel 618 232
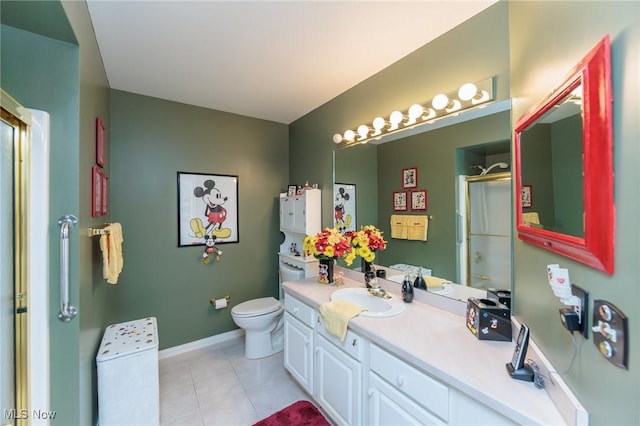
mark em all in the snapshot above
pixel 217 302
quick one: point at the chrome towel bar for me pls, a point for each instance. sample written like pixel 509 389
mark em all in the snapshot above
pixel 67 312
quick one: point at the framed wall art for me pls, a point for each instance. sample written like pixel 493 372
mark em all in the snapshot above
pixel 527 196
pixel 400 201
pixel 96 191
pixel 99 142
pixel 409 178
pixel 105 193
pixel 291 190
pixel 344 206
pixel 419 200
pixel 207 208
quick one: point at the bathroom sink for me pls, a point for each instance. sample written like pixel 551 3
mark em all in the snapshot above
pixel 377 307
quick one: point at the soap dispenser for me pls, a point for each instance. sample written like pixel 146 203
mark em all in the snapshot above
pixel 419 282
pixel 407 289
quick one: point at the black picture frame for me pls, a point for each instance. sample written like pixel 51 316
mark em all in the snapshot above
pixel 207 207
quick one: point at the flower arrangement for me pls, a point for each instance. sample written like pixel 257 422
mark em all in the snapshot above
pixel 366 242
pixel 328 244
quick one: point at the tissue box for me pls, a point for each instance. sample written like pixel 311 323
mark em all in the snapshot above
pixel 500 296
pixel 488 320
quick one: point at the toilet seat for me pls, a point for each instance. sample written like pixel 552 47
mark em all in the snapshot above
pixel 256 307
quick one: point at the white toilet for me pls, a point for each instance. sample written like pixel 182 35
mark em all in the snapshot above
pixel 262 320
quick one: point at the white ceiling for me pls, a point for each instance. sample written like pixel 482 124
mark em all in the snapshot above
pixel 274 60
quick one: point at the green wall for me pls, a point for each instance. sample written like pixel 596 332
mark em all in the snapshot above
pixel 152 140
pixel 547 39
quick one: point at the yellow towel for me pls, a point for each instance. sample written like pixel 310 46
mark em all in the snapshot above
pixel 531 217
pixel 417 227
pixel 111 246
pixel 434 282
pixel 398 226
pixel 337 314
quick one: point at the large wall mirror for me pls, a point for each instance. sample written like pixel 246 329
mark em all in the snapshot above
pixel 440 153
pixel 564 166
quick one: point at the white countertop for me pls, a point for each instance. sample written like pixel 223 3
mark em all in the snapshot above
pixel 439 343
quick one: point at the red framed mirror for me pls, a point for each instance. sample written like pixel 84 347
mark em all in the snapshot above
pixel 564 154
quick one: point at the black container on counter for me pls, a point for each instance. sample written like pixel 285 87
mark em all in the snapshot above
pixel 488 320
pixel 407 289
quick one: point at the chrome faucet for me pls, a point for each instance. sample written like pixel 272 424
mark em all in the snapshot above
pixel 379 292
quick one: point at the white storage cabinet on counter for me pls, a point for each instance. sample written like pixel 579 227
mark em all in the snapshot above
pixel 300 215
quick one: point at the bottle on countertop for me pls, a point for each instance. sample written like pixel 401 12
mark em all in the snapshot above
pixel 420 282
pixel 407 289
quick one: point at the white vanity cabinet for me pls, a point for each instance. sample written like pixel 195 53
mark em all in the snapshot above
pixel 298 341
pixel 338 375
pixel 467 411
pixel 401 394
pixel 301 213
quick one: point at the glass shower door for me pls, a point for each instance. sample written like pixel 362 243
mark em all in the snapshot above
pixel 490 233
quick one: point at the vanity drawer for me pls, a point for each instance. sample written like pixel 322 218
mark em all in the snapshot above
pixel 299 310
pixel 352 345
pixel 425 390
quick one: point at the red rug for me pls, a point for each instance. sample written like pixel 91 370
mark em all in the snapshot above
pixel 298 413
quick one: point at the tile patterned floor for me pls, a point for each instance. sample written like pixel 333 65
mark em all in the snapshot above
pixel 217 385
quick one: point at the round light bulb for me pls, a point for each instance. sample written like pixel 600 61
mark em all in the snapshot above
pixel 415 111
pixel 337 138
pixel 378 124
pixel 349 135
pixel 467 91
pixel 363 131
pixel 440 101
pixel 395 117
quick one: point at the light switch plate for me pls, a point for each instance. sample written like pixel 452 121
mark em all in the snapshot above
pixel 610 334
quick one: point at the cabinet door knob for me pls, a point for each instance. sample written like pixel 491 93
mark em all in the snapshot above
pixel 317 350
pixel 354 342
pixel 370 392
pixel 306 342
pixel 400 380
pixel 295 311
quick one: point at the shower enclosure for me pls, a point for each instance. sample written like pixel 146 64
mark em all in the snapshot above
pixel 484 231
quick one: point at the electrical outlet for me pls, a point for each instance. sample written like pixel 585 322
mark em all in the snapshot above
pixel 582 310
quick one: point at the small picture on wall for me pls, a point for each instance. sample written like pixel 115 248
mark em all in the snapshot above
pixel 344 206
pixel 400 201
pixel 96 191
pixel 419 200
pixel 527 196
pixel 99 142
pixel 410 178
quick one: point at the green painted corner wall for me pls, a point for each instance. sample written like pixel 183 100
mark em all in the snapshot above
pixel 153 139
pixel 546 40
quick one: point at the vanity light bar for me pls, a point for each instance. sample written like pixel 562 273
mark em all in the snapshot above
pixel 470 95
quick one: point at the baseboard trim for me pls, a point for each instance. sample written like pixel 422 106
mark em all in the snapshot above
pixel 199 344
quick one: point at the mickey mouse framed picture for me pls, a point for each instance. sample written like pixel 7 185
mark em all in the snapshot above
pixel 207 208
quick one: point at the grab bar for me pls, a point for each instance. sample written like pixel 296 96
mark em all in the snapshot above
pixel 67 312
